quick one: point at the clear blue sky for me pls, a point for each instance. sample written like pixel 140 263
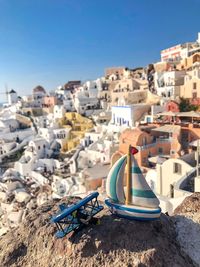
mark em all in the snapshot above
pixel 48 42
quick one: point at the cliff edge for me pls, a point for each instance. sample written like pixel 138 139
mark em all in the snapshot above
pixel 114 242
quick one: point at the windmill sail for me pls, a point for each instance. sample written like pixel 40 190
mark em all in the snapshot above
pixel 115 181
pixel 141 193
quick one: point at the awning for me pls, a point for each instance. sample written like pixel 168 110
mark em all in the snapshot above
pixel 195 143
pixel 191 114
pixel 157 160
pixel 167 113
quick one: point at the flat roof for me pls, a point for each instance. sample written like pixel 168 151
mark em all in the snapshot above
pixel 97 171
pixel 168 129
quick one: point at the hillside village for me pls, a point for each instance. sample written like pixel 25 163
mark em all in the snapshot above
pixel 62 143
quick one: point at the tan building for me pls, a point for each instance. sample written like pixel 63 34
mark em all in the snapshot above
pixel 133 97
pixel 163 66
pixel 170 172
pixel 132 90
pixel 119 71
pixel 129 85
pixel 173 178
pixel 191 87
pixel 188 62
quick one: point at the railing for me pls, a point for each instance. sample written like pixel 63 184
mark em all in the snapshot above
pixel 145 146
pixel 158 140
pixel 183 183
pixel 163 140
pixel 196 125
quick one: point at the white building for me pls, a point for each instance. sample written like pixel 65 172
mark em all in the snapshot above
pixel 60 91
pixel 65 187
pixel 58 111
pixel 25 165
pixel 27 101
pixel 38 95
pixel 164 178
pixel 68 105
pixel 12 97
pixel 85 101
pixel 5 147
pixel 62 135
pixel 38 147
pixel 46 133
pixel 181 51
pixel 167 84
pixel 95 84
pixel 155 109
pixel 8 125
pixel 128 115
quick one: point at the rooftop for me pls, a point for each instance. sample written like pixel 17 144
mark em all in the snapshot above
pixel 97 171
pixel 12 91
pixel 168 129
pixel 39 88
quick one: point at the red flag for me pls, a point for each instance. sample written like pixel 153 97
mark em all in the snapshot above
pixel 133 150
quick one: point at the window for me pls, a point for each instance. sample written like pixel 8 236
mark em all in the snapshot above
pixel 171 190
pixel 144 141
pixel 194 85
pixel 177 168
pixel 194 95
pixel 172 152
pixel 160 150
pixel 144 160
pixel 38 147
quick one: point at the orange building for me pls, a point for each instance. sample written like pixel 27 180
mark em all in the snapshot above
pixel 150 142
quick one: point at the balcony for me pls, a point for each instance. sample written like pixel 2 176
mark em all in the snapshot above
pixel 157 141
pixel 163 140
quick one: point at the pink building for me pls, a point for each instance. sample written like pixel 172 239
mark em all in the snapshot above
pixel 49 101
pixel 172 106
pixel 195 101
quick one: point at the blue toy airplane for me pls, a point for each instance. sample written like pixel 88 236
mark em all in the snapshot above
pixel 77 215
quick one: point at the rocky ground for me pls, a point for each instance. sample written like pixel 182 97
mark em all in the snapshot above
pixel 115 242
pixel 187 223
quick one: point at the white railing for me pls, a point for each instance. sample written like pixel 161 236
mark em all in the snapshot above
pixel 163 140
